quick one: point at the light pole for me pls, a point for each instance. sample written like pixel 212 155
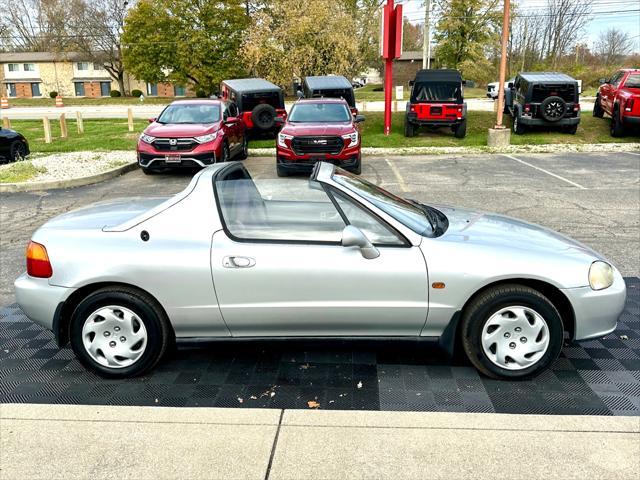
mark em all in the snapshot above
pixel 499 136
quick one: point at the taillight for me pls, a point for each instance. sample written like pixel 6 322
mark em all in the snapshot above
pixel 576 107
pixel 629 105
pixel 527 108
pixel 413 108
pixel 38 264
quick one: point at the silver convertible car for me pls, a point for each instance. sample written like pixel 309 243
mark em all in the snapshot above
pixel 335 256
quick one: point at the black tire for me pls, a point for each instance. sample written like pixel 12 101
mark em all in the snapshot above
pixel 147 171
pixel 409 128
pixel 598 111
pixel 552 109
pixel 281 171
pixel 156 323
pixel 570 129
pixel 461 129
pixel 617 127
pixel 244 152
pixel 480 310
pixel 357 168
pixel 17 151
pixel 516 126
pixel 226 154
pixel 263 117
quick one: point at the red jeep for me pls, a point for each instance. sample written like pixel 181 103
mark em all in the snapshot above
pixel 436 101
pixel 192 133
pixel 619 97
pixel 318 129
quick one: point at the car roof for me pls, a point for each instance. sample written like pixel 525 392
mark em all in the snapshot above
pixel 546 77
pixel 440 75
pixel 249 85
pixel 322 100
pixel 327 82
pixel 197 101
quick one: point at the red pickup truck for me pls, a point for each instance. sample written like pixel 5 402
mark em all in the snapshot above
pixel 619 97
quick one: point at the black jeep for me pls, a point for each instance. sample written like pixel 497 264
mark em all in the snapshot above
pixel 332 86
pixel 543 99
pixel 436 101
pixel 260 102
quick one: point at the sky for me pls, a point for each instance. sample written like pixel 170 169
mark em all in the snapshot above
pixel 621 14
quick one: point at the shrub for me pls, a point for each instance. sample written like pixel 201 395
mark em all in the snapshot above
pixel 53 94
pixel 200 93
pixel 115 93
pixel 378 89
pixel 136 93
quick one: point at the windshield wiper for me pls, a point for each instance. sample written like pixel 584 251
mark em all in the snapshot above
pixel 432 218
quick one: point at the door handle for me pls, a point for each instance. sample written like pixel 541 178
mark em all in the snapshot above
pixel 238 262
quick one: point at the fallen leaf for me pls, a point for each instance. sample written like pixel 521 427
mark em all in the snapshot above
pixel 253 397
pixel 359 384
pixel 624 337
pixel 240 400
pixel 313 404
pixel 272 394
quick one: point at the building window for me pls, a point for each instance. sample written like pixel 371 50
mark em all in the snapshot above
pixel 14 67
pixel 105 88
pixel 179 91
pixel 29 67
pixel 82 66
pixel 98 66
pixel 152 89
pixel 35 90
pixel 79 89
pixel 11 90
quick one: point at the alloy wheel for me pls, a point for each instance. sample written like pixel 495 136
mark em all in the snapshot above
pixel 515 337
pixel 554 109
pixel 114 336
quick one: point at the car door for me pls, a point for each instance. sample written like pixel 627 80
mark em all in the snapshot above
pixel 609 91
pixel 279 268
pixel 236 127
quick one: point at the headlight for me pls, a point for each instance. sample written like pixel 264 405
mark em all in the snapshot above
pixel 147 138
pixel 353 137
pixel 281 139
pixel 600 275
pixel 206 138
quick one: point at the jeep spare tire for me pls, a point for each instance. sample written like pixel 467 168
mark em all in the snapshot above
pixel 552 109
pixel 264 116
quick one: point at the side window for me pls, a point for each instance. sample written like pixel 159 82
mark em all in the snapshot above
pixel 277 210
pixel 372 227
pixel 615 80
pixel 233 110
pixel 225 111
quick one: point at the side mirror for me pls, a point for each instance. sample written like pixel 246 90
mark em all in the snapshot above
pixel 359 118
pixel 353 237
pixel 411 82
pixel 151 120
pixel 602 81
pixel 231 120
pixel 510 85
pixel 299 94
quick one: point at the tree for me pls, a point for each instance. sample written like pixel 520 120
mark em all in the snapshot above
pixel 297 39
pixel 613 45
pixel 565 21
pixel 412 36
pixel 465 29
pixel 185 41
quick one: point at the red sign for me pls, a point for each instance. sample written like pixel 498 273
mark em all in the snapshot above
pixel 391 31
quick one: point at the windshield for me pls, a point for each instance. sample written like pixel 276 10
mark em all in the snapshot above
pixel 196 113
pixel 319 112
pixel 407 213
pixel 437 92
pixel 633 81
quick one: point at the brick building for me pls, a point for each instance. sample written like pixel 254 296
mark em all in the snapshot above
pixel 405 67
pixel 37 74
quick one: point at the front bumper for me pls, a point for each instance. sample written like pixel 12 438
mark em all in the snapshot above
pixel 305 165
pixel 597 311
pixel 39 300
pixel 201 156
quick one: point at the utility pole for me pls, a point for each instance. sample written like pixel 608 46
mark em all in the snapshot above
pixel 503 63
pixel 426 41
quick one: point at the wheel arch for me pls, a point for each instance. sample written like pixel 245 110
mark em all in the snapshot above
pixel 62 317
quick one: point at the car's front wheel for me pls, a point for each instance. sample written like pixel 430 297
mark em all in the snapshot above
pixel 244 152
pixel 18 151
pixel 119 332
pixel 511 331
pixel 598 111
pixel 517 126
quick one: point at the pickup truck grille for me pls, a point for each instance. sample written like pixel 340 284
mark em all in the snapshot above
pixel 311 145
pixel 174 144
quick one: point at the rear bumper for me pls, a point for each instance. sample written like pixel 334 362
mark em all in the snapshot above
pixel 434 122
pixel 39 300
pixel 631 120
pixel 597 311
pixel 541 122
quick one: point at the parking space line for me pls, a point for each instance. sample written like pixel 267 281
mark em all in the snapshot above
pixel 577 185
pixel 396 172
pixel 633 153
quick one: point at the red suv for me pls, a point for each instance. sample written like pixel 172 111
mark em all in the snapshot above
pixel 319 129
pixel 192 133
pixel 620 97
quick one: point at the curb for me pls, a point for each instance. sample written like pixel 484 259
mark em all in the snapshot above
pixel 542 148
pixel 73 182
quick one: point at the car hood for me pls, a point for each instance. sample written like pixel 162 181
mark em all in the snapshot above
pixel 318 128
pixel 104 214
pixel 492 230
pixel 180 130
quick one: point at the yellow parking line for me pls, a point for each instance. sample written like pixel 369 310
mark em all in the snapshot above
pixel 396 172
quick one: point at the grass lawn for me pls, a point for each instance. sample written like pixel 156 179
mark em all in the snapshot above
pixel 113 134
pixel 368 94
pixel 18 172
pixel 73 101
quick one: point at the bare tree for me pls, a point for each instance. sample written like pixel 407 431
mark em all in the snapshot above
pixel 565 21
pixel 613 45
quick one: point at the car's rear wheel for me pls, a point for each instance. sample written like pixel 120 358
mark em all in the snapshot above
pixel 570 129
pixel 617 127
pixel 409 129
pixel 598 111
pixel 18 151
pixel 517 127
pixel 460 130
pixel 511 331
pixel 119 332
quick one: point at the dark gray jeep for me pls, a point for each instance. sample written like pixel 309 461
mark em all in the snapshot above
pixel 543 99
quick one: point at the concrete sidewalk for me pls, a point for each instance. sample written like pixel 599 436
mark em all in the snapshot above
pixel 60 441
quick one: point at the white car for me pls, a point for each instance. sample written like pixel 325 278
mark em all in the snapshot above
pixel 492 88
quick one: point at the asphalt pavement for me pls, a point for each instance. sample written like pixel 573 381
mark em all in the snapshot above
pixel 594 198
